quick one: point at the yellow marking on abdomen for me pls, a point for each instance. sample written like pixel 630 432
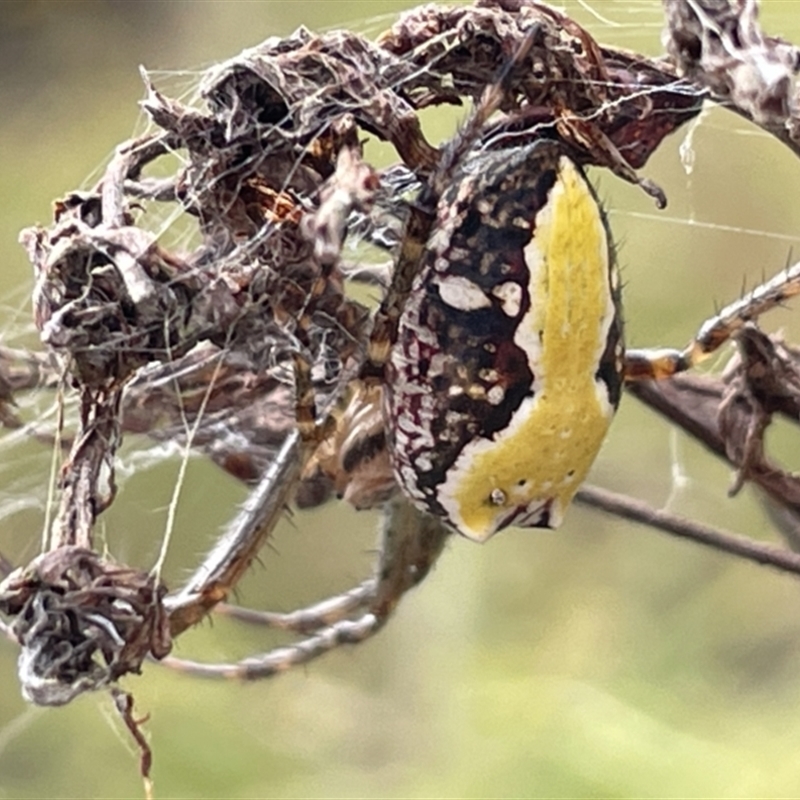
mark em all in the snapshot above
pixel 544 453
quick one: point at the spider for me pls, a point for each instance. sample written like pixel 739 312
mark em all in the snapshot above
pixel 494 363
pixel 494 369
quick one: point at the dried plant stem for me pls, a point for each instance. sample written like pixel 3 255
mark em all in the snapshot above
pixel 629 508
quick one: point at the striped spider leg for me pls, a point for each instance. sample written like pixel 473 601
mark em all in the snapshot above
pixel 657 364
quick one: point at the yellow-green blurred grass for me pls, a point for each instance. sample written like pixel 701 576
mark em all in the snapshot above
pixel 602 660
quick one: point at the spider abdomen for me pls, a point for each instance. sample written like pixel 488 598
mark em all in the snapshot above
pixel 507 367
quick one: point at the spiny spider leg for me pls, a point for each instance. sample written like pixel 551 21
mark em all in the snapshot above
pixel 235 550
pixel 412 542
pixel 310 619
pixel 649 364
pixel 422 213
pixel 282 659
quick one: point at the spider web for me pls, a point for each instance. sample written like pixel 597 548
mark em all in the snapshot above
pixel 741 243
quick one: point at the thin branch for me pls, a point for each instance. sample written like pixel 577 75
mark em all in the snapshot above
pixel 729 416
pixel 626 507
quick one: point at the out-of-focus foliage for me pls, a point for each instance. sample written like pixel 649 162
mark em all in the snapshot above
pixel 601 660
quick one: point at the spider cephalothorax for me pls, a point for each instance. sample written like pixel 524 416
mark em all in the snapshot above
pixel 507 367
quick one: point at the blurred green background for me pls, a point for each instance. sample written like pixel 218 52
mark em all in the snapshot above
pixel 604 660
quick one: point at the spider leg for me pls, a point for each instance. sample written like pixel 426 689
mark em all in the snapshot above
pixel 310 619
pixel 412 542
pixel 305 401
pixel 384 329
pixel 656 364
pixel 233 553
pixel 281 659
pixel 422 213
